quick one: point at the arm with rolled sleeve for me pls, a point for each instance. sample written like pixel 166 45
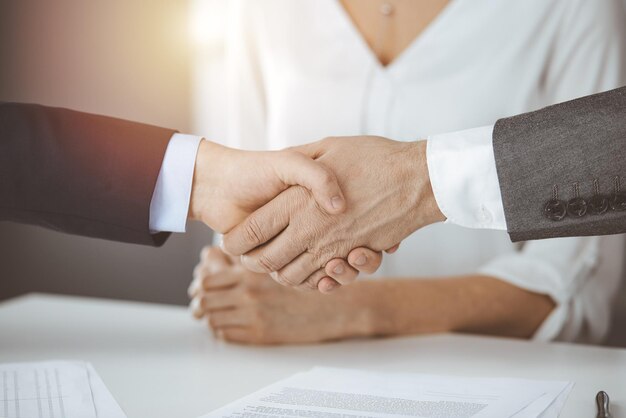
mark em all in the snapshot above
pixel 581 276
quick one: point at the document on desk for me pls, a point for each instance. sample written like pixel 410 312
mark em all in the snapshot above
pixel 342 393
pixel 54 389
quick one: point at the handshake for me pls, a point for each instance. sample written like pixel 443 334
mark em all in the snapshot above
pixel 351 199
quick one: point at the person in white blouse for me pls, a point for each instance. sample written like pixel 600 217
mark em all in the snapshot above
pixel 406 70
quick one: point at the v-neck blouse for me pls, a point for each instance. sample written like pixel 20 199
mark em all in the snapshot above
pixel 299 71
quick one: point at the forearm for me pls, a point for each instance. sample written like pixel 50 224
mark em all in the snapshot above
pixel 477 304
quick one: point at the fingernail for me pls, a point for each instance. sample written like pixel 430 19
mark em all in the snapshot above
pixel 360 260
pixel 338 269
pixel 197 286
pixel 195 307
pixel 336 202
pixel 329 287
pixel 193 287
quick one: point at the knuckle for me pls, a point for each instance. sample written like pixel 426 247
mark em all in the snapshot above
pixel 198 270
pixel 207 282
pixel 308 285
pixel 325 253
pixel 267 263
pixel 253 234
pixel 214 320
pixel 284 280
pixel 250 295
pixel 231 338
pixel 299 197
pixel 260 334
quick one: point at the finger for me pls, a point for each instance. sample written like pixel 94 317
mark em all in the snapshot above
pixel 365 260
pixel 341 271
pixel 393 249
pixel 275 255
pixel 296 272
pixel 236 335
pixel 195 287
pixel 214 257
pixel 222 280
pixel 228 318
pixel 259 227
pixel 312 281
pixel 295 168
pixel 195 306
pixel 212 260
pixel 219 300
pixel 327 285
pixel 205 280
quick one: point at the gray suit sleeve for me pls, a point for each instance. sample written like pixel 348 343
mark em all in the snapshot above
pixel 562 169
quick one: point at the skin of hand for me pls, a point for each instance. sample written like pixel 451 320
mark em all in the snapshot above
pixel 245 307
pixel 240 306
pixel 388 195
pixel 229 184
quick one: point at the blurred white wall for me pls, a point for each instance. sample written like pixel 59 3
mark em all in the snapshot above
pixel 208 28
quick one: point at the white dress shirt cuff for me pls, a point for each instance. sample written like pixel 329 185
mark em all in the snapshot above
pixel 463 175
pixel 170 202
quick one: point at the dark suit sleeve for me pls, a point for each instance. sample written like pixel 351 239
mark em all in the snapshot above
pixel 562 169
pixel 79 173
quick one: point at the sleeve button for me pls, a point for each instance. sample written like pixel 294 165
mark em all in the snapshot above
pixel 577 207
pixel 555 210
pixel 598 204
pixel 618 201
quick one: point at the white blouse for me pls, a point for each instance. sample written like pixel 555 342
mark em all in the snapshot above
pixel 299 71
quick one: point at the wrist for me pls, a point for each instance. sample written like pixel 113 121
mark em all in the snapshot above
pixel 423 198
pixel 408 307
pixel 374 309
pixel 356 310
pixel 207 181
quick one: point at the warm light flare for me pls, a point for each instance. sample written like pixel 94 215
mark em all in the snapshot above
pixel 207 22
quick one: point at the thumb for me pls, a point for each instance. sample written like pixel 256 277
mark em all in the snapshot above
pixel 294 168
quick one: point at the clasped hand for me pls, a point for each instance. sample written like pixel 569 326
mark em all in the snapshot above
pixel 299 237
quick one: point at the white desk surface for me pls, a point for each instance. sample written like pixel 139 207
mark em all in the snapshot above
pixel 157 362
